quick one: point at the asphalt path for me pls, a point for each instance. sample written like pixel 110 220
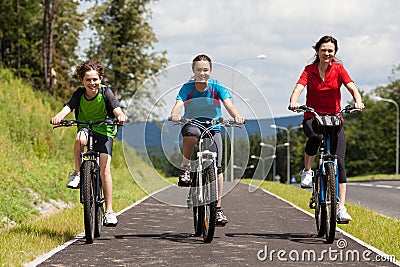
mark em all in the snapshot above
pixel 381 196
pixel 263 230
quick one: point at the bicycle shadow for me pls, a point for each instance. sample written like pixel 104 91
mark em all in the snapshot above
pixel 184 238
pixel 294 237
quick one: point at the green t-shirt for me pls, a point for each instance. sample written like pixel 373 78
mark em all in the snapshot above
pixel 98 108
pixel 95 110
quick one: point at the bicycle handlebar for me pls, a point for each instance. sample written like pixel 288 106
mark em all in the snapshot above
pixel 68 123
pixel 346 109
pixel 220 121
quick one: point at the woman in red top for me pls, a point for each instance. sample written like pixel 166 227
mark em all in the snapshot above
pixel 324 78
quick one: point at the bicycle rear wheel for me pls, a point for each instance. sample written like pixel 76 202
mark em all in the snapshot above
pixel 320 210
pixel 330 200
pixel 99 210
pixel 209 209
pixel 88 199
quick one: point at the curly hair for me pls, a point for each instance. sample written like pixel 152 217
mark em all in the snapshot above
pixel 88 66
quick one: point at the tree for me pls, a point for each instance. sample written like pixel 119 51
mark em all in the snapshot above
pixel 123 41
pixel 49 17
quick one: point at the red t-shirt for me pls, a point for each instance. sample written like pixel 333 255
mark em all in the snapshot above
pixel 324 96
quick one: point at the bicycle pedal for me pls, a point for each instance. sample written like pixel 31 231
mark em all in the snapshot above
pixel 312 204
pixel 183 184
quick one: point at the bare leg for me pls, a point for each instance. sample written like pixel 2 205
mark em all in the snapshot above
pixel 80 142
pixel 188 144
pixel 105 173
pixel 220 179
pixel 342 194
pixel 308 161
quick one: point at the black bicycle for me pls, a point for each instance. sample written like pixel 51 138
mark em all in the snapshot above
pixel 91 191
pixel 325 194
pixel 203 191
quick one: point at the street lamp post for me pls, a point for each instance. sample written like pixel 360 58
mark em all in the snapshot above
pixel 261 56
pixel 274 162
pixel 263 160
pixel 243 168
pixel 397 127
pixel 287 130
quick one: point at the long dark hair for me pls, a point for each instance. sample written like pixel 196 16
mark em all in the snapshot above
pixel 323 40
pixel 202 58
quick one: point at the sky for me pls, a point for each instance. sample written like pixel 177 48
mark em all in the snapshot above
pixel 234 33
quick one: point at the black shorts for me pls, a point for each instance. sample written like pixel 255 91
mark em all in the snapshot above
pixel 102 143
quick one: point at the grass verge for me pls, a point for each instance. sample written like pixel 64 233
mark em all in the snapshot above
pixel 379 231
pixel 26 241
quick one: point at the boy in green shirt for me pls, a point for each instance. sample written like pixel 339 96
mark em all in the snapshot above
pixel 92 102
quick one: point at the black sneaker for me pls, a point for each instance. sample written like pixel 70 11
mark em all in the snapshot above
pixel 221 219
pixel 184 176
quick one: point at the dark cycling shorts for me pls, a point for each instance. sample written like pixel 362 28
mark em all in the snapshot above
pixel 338 146
pixel 102 143
pixel 192 130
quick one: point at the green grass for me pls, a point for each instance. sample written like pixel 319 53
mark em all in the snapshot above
pixel 379 231
pixel 374 177
pixel 30 239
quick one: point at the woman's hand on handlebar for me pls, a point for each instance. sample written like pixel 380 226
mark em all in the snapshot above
pixel 359 105
pixel 294 106
pixel 239 120
pixel 175 117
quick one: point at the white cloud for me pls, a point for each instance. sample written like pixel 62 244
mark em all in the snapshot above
pixel 230 30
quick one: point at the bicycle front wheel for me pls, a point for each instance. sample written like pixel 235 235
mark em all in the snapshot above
pixel 88 197
pixel 209 212
pixel 99 208
pixel 320 210
pixel 198 211
pixel 330 197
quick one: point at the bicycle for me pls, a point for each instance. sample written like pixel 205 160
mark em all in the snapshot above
pixel 91 191
pixel 203 190
pixel 325 193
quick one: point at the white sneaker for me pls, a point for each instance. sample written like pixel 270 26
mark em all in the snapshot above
pixel 110 219
pixel 342 216
pixel 306 178
pixel 74 180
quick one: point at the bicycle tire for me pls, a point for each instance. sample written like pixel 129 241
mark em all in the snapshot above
pixel 197 211
pixel 330 200
pixel 198 217
pixel 209 208
pixel 320 210
pixel 88 200
pixel 99 210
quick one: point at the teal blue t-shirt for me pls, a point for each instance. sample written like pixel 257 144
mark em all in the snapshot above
pixel 204 105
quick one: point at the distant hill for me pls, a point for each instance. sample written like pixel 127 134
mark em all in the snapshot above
pixel 153 134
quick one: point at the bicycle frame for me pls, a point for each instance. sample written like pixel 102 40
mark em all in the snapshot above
pixel 94 156
pixel 203 191
pixel 325 196
pixel 91 192
pixel 324 158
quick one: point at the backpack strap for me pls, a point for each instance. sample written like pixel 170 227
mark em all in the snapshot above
pixel 187 102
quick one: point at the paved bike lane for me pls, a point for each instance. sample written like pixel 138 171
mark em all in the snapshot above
pixel 262 231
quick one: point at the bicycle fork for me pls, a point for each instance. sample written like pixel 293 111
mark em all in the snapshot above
pixel 96 179
pixel 196 193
